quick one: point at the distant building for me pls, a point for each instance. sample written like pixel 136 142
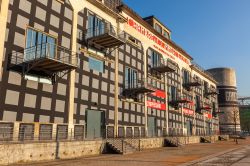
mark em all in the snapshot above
pixel 227 99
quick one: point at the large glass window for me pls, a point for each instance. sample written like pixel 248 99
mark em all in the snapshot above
pixel 155 58
pixel 197 102
pixel 39 45
pixel 96 65
pixel 185 77
pixel 95 26
pixel 172 93
pixel 205 88
pixel 131 78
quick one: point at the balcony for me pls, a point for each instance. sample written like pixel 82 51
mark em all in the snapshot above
pixel 136 87
pixel 201 108
pixel 179 100
pixel 211 92
pixel 43 60
pixel 103 37
pixel 194 82
pixel 164 67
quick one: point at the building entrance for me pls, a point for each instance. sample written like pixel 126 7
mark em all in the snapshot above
pixel 95 124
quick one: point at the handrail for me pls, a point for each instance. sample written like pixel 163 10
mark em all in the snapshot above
pixel 107 28
pixel 193 63
pixel 45 50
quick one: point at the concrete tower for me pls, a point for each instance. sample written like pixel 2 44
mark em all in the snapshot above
pixel 227 97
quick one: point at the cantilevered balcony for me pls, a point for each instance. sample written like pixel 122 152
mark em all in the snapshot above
pixel 211 91
pixel 164 67
pixel 43 60
pixel 201 108
pixel 194 82
pixel 135 87
pixel 103 37
pixel 179 100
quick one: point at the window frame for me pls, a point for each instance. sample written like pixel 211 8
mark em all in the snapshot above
pixel 39 79
pixel 167 34
pixel 132 80
pixel 158 26
pixel 96 60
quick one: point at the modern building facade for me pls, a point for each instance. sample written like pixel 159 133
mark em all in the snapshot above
pixel 228 100
pixel 95 68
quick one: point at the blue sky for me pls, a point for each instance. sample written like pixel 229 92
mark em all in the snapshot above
pixel 216 33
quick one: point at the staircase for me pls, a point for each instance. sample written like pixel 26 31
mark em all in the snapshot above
pixel 221 138
pixel 172 142
pixel 121 146
pixel 205 140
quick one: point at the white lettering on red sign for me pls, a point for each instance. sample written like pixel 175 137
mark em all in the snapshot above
pixel 188 111
pixel 156 105
pixel 161 46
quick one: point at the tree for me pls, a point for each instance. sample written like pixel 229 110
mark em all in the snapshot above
pixel 235 117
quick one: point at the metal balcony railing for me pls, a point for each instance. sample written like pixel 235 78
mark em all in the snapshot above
pixel 45 60
pixel 193 82
pixel 211 91
pixel 179 100
pixel 112 4
pixel 103 36
pixel 137 86
pixel 163 67
pixel 198 67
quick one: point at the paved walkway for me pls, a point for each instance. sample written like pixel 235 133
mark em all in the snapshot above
pixel 219 153
pixel 236 157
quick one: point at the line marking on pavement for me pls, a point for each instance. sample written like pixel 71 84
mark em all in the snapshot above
pixel 211 156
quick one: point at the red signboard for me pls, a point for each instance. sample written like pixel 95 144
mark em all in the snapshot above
pixel 155 105
pixel 209 116
pixel 160 45
pixel 188 111
pixel 159 93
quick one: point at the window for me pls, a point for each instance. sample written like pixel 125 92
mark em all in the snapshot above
pixel 95 26
pixel 131 78
pixel 205 87
pixel 172 93
pixel 158 28
pixel 185 77
pixel 198 101
pixel 166 34
pixel 96 65
pixel 39 44
pixel 155 58
pixel 131 39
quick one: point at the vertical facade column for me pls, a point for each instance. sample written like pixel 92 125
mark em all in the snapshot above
pixel 72 76
pixel 3 20
pixel 116 104
pixel 182 114
pixel 145 96
pixel 166 100
pixel 194 116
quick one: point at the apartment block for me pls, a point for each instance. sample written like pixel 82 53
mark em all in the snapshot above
pixel 96 69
